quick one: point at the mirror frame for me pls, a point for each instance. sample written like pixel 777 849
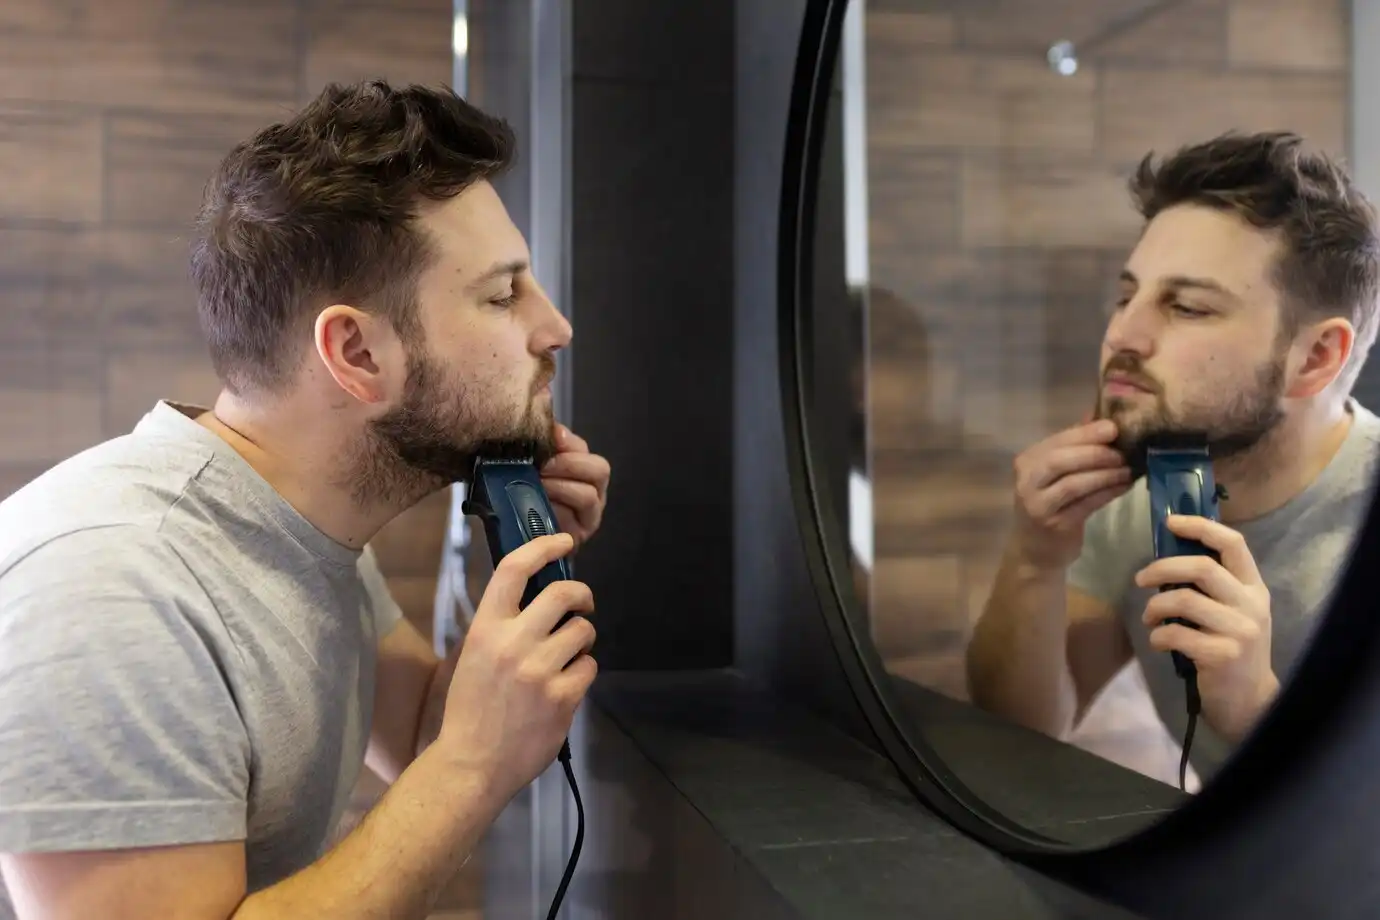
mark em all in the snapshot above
pixel 1339 658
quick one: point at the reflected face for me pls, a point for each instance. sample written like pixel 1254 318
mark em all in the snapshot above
pixel 479 368
pixel 1195 344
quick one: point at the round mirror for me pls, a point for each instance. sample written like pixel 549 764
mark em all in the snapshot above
pixel 1076 305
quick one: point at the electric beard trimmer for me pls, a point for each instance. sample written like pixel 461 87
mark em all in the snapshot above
pixel 1180 480
pixel 1179 474
pixel 507 495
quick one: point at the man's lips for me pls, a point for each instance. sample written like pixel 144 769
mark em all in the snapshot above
pixel 1123 386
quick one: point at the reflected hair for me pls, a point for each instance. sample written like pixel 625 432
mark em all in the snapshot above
pixel 322 208
pixel 1330 261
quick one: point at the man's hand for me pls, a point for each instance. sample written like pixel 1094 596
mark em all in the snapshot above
pixel 1232 649
pixel 516 683
pixel 1060 482
pixel 577 482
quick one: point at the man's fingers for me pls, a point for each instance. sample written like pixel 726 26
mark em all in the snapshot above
pixel 1230 545
pixel 1207 650
pixel 1211 577
pixel 1074 488
pixel 580 497
pixel 1102 431
pixel 555 601
pixel 1211 615
pixel 573 683
pixel 567 440
pixel 1067 460
pixel 559 649
pixel 513 571
pixel 1080 510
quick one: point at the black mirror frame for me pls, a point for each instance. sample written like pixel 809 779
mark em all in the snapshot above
pixel 1301 741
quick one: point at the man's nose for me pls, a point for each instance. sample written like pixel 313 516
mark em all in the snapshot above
pixel 1133 329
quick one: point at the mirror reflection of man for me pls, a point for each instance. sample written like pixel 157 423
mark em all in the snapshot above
pixel 1245 310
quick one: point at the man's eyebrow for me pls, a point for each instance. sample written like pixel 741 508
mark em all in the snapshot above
pixel 498 270
pixel 1184 281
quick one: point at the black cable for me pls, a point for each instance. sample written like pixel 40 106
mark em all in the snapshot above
pixel 564 758
pixel 1195 706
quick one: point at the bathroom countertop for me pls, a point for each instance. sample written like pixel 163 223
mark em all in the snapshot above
pixel 825 820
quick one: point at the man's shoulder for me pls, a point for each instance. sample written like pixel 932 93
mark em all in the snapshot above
pixel 113 497
pixel 92 561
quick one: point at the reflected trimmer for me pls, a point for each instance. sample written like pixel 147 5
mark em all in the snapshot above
pixel 1180 480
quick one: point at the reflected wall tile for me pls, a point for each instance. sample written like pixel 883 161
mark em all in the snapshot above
pixel 1295 34
pixel 917 604
pixel 1177 34
pixel 962 99
pixel 1145 110
pixel 903 27
pixel 928 184
pixel 1044 201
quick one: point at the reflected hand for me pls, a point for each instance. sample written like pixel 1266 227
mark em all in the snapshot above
pixel 577 483
pixel 1232 649
pixel 1060 482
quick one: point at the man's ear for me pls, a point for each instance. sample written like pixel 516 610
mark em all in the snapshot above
pixel 1320 352
pixel 355 347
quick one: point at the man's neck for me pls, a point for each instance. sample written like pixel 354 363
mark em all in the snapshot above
pixel 289 448
pixel 1283 465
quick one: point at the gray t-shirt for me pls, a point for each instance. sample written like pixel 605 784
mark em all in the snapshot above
pixel 183 657
pixel 1300 549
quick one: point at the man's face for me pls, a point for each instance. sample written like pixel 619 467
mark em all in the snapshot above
pixel 477 379
pixel 1195 343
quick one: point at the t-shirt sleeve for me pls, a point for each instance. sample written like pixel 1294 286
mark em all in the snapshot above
pixel 387 613
pixel 116 721
pixel 1099 570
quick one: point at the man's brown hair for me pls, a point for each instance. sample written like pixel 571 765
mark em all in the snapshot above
pixel 322 209
pixel 1330 260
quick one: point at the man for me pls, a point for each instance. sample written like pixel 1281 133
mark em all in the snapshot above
pixel 1245 311
pixel 197 650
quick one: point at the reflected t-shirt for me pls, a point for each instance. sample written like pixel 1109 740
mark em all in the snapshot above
pixel 1300 548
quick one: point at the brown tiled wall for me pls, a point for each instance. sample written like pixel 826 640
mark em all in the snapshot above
pixel 998 218
pixel 112 115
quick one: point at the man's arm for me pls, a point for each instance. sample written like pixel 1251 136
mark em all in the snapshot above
pixel 409 699
pixel 125 793
pixel 410 681
pixel 393 865
pixel 1042 650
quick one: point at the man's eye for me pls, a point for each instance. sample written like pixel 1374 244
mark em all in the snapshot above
pixel 506 301
pixel 1188 311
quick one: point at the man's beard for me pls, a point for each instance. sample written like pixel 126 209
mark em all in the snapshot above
pixel 1230 429
pixel 434 437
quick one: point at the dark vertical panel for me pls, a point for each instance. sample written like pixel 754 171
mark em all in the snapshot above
pixel 652 303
